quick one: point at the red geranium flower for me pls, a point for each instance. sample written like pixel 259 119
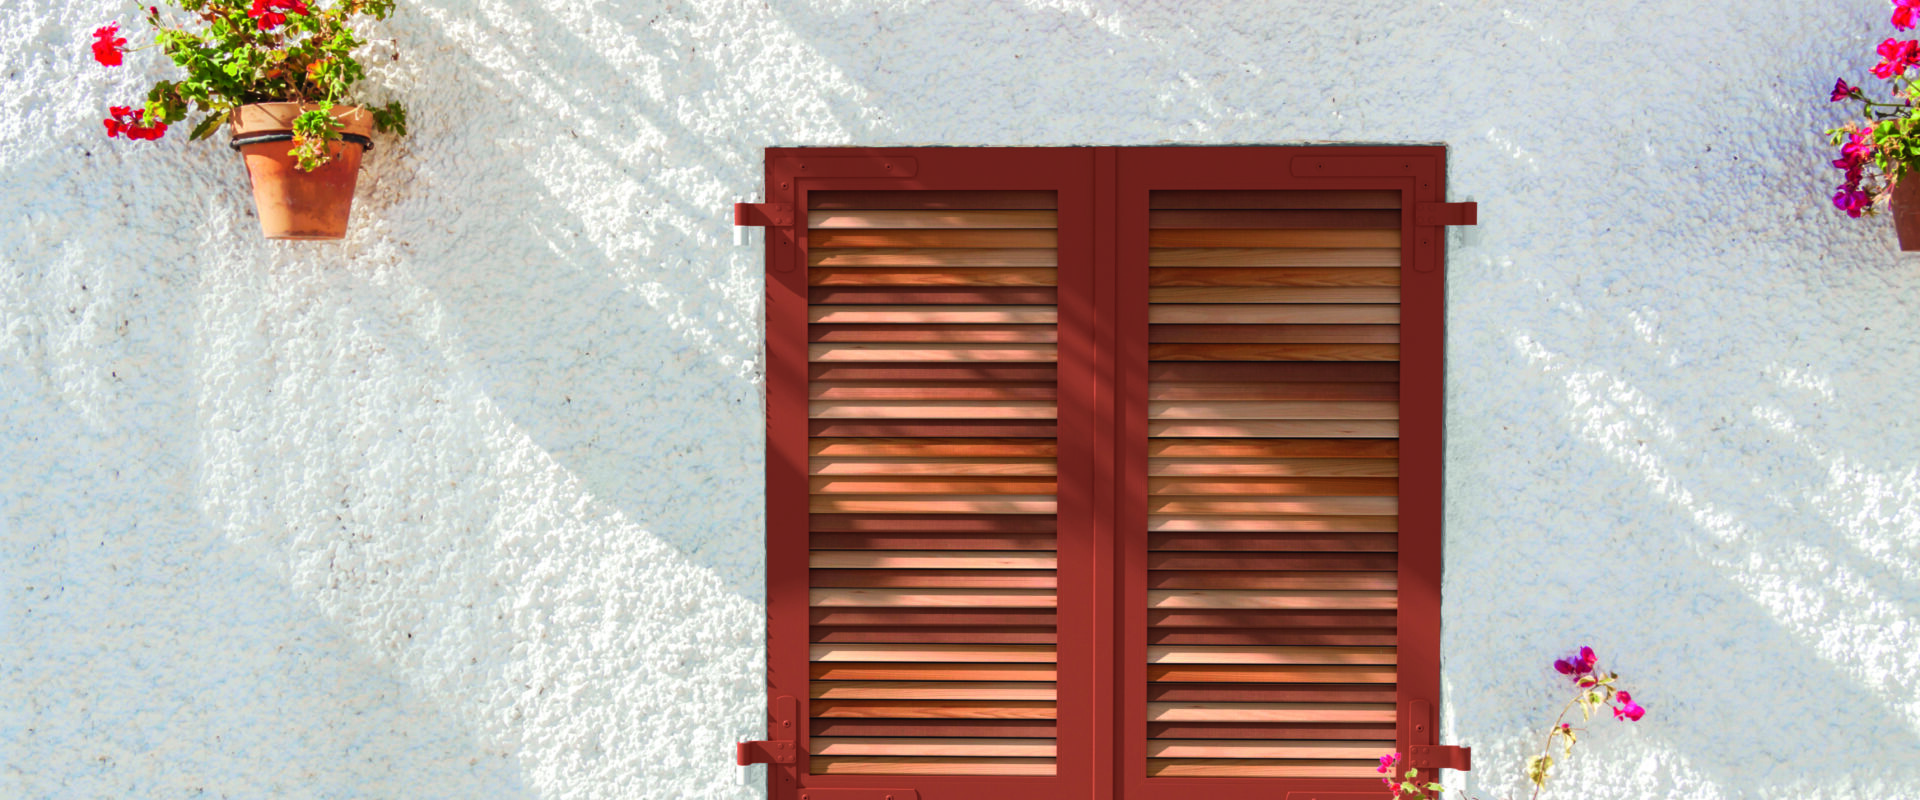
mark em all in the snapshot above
pixel 1896 57
pixel 126 122
pixel 1904 13
pixel 1842 91
pixel 107 44
pixel 267 13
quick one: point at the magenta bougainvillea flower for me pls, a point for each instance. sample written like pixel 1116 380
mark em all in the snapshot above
pixel 1905 14
pixel 1627 710
pixel 1576 665
pixel 108 44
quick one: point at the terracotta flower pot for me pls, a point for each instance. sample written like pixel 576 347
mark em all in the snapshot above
pixel 293 204
pixel 1906 212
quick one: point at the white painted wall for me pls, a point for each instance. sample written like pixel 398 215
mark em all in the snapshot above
pixel 469 504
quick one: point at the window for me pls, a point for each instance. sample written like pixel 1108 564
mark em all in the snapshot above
pixel 1100 472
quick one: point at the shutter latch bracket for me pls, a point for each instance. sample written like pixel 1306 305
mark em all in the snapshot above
pixel 1422 753
pixel 1441 756
pixel 763 215
pixel 1442 214
pixel 785 746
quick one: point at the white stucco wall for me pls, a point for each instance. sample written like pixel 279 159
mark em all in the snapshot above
pixel 469 504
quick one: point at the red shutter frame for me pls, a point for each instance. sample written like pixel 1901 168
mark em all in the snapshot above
pixel 1103 216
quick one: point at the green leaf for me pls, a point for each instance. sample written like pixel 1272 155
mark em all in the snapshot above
pixel 209 125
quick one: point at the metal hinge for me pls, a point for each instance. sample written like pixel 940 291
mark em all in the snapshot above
pixel 763 215
pixel 765 753
pixel 1438 214
pixel 785 746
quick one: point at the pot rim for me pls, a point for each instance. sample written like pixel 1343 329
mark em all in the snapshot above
pixel 277 117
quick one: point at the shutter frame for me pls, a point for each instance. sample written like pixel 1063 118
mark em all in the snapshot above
pixel 1098 607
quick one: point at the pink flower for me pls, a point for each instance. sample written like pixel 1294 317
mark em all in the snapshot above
pixel 1896 57
pixel 1578 664
pixel 1851 199
pixel 1629 710
pixel 1842 91
pixel 1387 762
pixel 107 45
pixel 1904 13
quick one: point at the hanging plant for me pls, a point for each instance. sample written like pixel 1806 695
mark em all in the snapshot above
pixel 1881 143
pixel 278 74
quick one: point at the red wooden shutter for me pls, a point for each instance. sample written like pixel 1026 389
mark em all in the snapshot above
pixel 929 509
pixel 1098 472
pixel 1280 465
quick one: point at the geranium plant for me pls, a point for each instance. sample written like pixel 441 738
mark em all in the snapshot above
pixel 240 52
pixel 1593 689
pixel 1881 142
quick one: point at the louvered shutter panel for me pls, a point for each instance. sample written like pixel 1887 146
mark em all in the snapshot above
pixel 937 475
pixel 1101 472
pixel 1265 472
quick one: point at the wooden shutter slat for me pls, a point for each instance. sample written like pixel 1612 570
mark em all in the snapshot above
pixel 1277 334
pixel 935 709
pixel 1278 564
pixel 909 671
pixel 931 353
pixel 901 746
pixel 943 218
pixel 1275 237
pixel 915 429
pixel 1236 295
pixel 1167 219
pixel 1301 428
pixel 934 579
pixel 1263 619
pixel 1249 579
pixel 933 504
pixel 933 276
pixel 1219 768
pixel 1270 712
pixel 888 296
pixel 1293 314
pixel 936 466
pixel 1243 525
pixel 1275 448
pixel 914 315
pixel 1271 277
pixel 939 653
pixel 934 333
pixel 932 690
pixel 1273 409
pixel 1268 749
pixel 946 409
pixel 999 729
pixel 1324 256
pixel 1275 467
pixel 987 239
pixel 1319 506
pixel 1284 637
pixel 1272 486
pixel 933 485
pixel 930 559
pixel 1268 693
pixel 932 598
pixel 1272 599
pixel 1268 673
pixel 935 199
pixel 973 634
pixel 933 257
pixel 1272 199
pixel 1228 654
pixel 930 765
pixel 1231 730
pixel 1275 352
pixel 904 447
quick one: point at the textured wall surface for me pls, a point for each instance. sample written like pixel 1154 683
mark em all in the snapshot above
pixel 468 505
